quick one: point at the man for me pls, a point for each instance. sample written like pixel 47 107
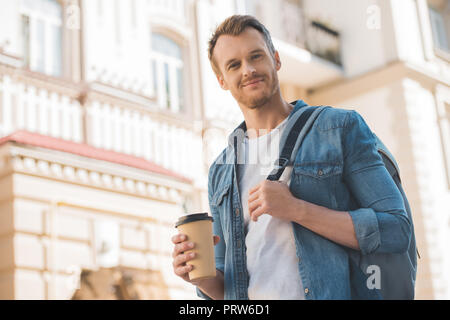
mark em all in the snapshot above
pixel 291 240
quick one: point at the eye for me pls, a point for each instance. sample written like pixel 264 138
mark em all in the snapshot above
pixel 233 65
pixel 256 56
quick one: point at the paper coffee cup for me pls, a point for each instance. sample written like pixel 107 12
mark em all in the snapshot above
pixel 198 229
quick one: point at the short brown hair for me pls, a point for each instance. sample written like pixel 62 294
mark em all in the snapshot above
pixel 234 26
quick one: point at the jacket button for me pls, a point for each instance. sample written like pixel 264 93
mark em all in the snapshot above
pixel 320 172
pixel 306 291
pixel 237 211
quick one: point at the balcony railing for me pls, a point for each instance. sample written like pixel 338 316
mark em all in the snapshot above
pixel 139 133
pixel 27 105
pixel 294 27
pixel 49 106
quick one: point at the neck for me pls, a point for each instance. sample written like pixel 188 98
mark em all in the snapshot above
pixel 262 119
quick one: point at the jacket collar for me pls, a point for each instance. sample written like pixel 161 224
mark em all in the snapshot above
pixel 238 134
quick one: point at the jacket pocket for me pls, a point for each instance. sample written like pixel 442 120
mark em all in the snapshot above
pixel 222 206
pixel 220 195
pixel 318 170
pixel 317 182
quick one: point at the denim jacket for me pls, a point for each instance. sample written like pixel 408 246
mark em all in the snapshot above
pixel 337 167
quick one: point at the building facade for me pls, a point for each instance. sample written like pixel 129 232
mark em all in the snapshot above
pixel 110 116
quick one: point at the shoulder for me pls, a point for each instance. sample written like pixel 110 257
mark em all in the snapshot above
pixel 333 118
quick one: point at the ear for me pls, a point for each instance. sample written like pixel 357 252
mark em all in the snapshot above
pixel 277 60
pixel 222 82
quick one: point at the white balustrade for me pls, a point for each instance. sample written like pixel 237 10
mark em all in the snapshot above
pixel 41 108
pixel 166 144
pixel 127 131
pixel 55 129
pixel 171 135
pixel 137 133
pixel 185 151
pixel 107 115
pixel 77 122
pixel 110 127
pixel 147 138
pixel 5 100
pixel 26 107
pixel 197 163
pixel 189 150
pixel 157 143
pixel 66 117
pixel 20 108
pixel 30 108
pixel 116 129
pixel 93 125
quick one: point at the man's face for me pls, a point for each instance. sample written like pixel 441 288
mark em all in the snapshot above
pixel 247 68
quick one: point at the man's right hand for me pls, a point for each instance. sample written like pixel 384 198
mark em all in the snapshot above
pixel 180 258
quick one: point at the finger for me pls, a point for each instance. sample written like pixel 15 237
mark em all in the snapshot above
pixel 254 196
pixel 253 205
pixel 256 213
pixel 182 270
pixel 179 238
pixel 182 247
pixel 181 259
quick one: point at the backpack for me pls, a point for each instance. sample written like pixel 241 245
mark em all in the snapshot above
pixel 396 272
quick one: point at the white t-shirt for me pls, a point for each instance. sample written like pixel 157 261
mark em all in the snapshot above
pixel 272 262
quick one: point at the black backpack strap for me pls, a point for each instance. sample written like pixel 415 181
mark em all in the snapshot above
pixel 289 145
pixel 390 167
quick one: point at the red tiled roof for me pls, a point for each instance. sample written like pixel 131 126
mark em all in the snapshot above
pixel 82 149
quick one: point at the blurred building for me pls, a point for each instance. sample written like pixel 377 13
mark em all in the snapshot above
pixel 110 116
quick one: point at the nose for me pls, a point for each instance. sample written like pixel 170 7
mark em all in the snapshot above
pixel 248 70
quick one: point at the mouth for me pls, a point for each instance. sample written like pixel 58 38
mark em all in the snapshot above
pixel 252 83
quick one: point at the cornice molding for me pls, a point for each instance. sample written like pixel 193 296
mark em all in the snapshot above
pixel 91 173
pixel 397 70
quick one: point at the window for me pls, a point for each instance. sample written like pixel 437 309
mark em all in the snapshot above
pixel 56 33
pixel 167 72
pixel 439 20
pixel 41 22
pixel 40 46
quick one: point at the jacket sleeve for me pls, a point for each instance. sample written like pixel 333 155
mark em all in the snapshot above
pixel 381 223
pixel 219 249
